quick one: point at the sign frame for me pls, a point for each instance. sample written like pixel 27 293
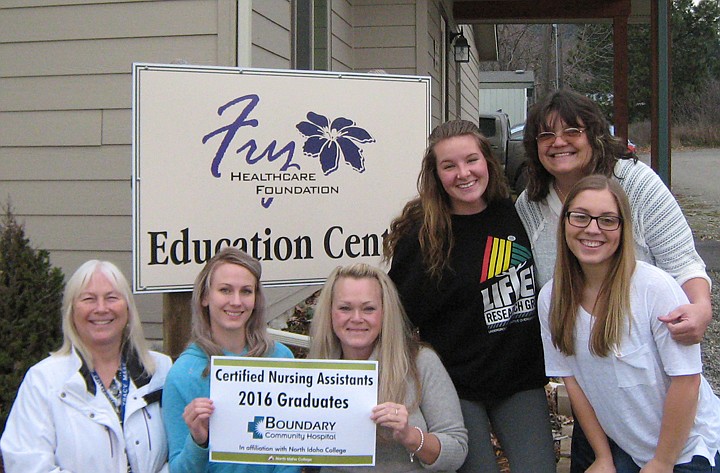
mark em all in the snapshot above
pixel 191 185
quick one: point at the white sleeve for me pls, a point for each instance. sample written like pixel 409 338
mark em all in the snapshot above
pixel 555 362
pixel 661 294
pixel 29 440
pixel 659 224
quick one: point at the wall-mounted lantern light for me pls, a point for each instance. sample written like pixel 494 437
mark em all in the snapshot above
pixel 461 48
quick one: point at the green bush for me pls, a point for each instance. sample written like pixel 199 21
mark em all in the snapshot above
pixel 30 304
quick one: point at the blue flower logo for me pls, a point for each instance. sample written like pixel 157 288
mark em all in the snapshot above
pixel 330 142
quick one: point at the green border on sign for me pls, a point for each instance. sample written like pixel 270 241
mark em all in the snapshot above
pixel 283 458
pixel 285 363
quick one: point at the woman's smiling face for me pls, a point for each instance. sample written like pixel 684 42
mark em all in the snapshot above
pixel 463 172
pixel 591 245
pixel 563 156
pixel 230 300
pixel 100 313
pixel 357 314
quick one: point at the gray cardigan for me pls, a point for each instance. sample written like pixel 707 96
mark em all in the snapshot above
pixel 439 413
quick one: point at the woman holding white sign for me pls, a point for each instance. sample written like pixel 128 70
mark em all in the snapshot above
pixel 463 266
pixel 228 308
pixel 359 317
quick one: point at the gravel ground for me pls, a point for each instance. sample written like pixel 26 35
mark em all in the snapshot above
pixel 703 219
pixel 711 344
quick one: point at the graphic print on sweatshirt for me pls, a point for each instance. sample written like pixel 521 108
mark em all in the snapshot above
pixel 510 296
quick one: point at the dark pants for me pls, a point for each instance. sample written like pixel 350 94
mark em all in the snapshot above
pixel 582 456
pixel 522 425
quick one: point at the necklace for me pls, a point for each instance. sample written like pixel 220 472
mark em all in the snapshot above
pixel 559 192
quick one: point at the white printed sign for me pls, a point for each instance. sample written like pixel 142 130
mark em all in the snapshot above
pixel 292 412
pixel 303 170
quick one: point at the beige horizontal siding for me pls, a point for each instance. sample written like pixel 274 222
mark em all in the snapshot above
pixel 80 233
pixel 70 198
pixel 342 56
pixel 270 39
pixel 342 29
pixel 276 11
pixel 398 57
pixel 66 92
pixel 66 164
pixel 58 128
pixel 383 2
pixel 383 36
pixel 268 59
pixel 104 56
pixel 376 14
pixel 46 3
pixel 117 127
pixel 139 20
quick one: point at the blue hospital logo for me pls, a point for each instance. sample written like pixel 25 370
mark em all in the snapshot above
pixel 256 427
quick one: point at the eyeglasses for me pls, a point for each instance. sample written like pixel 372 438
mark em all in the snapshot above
pixel 568 133
pixel 604 222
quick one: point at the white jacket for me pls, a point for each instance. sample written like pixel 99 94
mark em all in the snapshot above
pixel 60 422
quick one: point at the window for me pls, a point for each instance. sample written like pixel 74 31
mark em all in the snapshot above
pixel 311 23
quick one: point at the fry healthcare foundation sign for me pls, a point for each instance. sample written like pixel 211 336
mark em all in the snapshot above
pixel 303 170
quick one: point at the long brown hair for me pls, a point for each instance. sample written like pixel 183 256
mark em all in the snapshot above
pixel 431 210
pixel 575 110
pixel 613 301
pixel 257 340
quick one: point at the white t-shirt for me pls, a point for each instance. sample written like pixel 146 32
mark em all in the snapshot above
pixel 627 388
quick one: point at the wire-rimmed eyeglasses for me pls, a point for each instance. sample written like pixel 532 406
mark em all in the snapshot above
pixel 568 133
pixel 604 222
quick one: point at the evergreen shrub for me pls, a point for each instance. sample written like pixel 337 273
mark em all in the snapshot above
pixel 30 305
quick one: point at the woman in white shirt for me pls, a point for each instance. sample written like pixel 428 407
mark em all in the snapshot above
pixel 629 382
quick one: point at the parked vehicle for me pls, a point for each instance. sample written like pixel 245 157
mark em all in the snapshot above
pixel 507 146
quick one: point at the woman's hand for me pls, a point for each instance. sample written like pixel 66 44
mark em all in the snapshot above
pixel 687 323
pixel 394 417
pixel 656 466
pixel 601 466
pixel 197 417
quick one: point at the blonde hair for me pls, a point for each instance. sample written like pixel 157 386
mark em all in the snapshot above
pixel 257 340
pixel 395 347
pixel 132 339
pixel 613 301
pixel 431 211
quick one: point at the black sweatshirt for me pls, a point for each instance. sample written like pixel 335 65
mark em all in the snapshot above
pixel 481 317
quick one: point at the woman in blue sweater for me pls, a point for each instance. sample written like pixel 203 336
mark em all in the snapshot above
pixel 228 308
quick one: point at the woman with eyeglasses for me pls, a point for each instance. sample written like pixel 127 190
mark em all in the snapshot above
pixel 567 138
pixel 632 387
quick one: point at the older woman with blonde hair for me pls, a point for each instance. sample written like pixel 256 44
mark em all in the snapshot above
pixel 359 317
pixel 228 310
pixel 93 405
